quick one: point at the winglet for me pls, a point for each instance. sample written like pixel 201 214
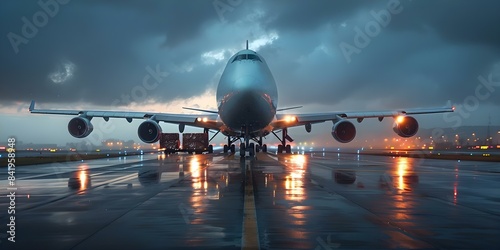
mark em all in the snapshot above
pixel 32 105
pixel 247 44
pixel 448 104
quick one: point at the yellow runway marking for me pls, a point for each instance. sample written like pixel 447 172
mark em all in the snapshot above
pixel 250 239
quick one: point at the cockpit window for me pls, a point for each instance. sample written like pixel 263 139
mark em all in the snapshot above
pixel 247 57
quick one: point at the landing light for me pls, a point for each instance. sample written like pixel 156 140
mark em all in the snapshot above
pixel 289 119
pixel 201 119
pixel 400 119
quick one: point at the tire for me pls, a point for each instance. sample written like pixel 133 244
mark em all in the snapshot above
pixel 233 148
pixel 264 148
pixel 252 149
pixel 242 150
pixel 288 149
pixel 226 149
pixel 210 149
pixel 280 149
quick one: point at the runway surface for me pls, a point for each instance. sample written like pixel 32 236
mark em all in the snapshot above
pixel 311 201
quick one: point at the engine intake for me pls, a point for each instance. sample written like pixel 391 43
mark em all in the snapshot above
pixel 405 126
pixel 343 131
pixel 149 131
pixel 80 127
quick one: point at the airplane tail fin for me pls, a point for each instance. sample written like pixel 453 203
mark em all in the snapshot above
pixel 448 104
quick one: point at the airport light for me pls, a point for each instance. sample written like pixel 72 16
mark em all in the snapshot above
pixel 400 119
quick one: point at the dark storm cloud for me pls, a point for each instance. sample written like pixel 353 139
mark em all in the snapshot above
pixel 110 44
pixel 430 52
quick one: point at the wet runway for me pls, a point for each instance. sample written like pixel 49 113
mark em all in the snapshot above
pixel 311 201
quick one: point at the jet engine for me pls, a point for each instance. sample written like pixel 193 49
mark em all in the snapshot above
pixel 343 131
pixel 405 126
pixel 80 127
pixel 149 131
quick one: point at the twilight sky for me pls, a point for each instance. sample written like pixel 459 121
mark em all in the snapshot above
pixel 325 55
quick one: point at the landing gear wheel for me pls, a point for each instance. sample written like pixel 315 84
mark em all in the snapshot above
pixel 233 148
pixel 242 150
pixel 251 149
pixel 288 149
pixel 257 148
pixel 210 149
pixel 264 148
pixel 226 148
pixel 280 149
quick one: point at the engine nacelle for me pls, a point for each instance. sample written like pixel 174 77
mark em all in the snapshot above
pixel 149 131
pixel 344 131
pixel 80 127
pixel 405 126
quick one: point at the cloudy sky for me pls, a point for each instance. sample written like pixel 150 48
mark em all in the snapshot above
pixel 325 55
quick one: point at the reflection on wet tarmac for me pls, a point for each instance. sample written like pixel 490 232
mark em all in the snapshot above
pixel 455 186
pixel 80 180
pixel 294 180
pixel 344 176
pixel 405 173
pixel 301 202
pixel 149 174
pixel 198 173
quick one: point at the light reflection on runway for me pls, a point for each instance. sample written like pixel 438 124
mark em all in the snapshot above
pixel 294 180
pixel 311 201
pixel 394 199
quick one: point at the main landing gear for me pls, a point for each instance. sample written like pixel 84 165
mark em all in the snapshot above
pixel 230 145
pixel 283 146
pixel 251 147
pixel 260 147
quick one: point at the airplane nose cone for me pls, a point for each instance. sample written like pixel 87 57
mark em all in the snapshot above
pixel 246 83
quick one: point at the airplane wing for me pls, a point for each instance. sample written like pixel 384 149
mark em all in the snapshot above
pixel 209 121
pixel 293 120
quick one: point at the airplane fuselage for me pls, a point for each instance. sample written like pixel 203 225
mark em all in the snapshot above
pixel 247 95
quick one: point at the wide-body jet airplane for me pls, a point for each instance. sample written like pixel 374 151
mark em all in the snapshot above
pixel 247 101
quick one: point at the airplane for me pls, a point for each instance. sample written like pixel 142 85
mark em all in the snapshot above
pixel 247 101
